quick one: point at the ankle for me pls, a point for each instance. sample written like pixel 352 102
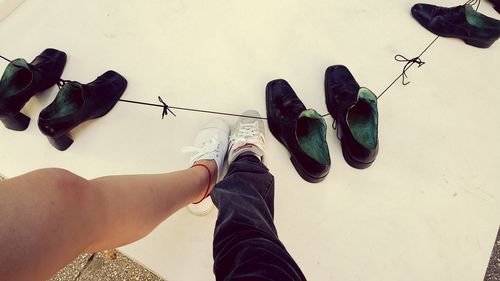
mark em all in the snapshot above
pixel 211 165
pixel 204 176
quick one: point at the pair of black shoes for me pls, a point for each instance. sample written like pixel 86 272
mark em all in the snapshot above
pixel 461 22
pixel 303 131
pixel 74 104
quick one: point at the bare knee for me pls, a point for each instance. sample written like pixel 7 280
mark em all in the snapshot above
pixel 62 180
pixel 51 203
pixel 61 188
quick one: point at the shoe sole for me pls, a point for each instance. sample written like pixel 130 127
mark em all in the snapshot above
pixel 302 172
pixel 351 161
pixel 471 42
pixel 479 44
pixel 347 156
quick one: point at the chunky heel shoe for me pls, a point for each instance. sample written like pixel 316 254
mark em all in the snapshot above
pixel 76 103
pixel 18 122
pixel 21 81
pixel 62 142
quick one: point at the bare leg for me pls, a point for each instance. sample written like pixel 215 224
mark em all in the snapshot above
pixel 48 217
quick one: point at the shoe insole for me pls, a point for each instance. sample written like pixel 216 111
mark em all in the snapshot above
pixel 68 101
pixel 479 20
pixel 311 134
pixel 14 79
pixel 363 124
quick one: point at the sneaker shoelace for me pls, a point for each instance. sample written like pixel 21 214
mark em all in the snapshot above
pixel 210 147
pixel 247 133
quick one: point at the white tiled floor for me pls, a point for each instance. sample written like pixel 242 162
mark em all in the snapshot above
pixel 428 209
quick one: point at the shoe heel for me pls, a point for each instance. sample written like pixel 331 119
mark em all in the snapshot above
pixel 478 43
pixel 61 143
pixel 18 122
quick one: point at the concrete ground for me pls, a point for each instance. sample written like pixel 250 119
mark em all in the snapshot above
pixel 493 271
pixel 105 266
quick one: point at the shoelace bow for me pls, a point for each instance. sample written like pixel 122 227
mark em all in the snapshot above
pixel 208 147
pixel 409 63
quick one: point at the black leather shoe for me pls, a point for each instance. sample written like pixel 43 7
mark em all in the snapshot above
pixel 76 103
pixel 355 112
pixel 22 80
pixel 302 131
pixel 496 4
pixel 461 22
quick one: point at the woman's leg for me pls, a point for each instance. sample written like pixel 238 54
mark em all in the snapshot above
pixel 48 217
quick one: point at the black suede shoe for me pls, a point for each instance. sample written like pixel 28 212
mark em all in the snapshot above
pixel 76 103
pixel 355 112
pixel 461 22
pixel 22 80
pixel 302 131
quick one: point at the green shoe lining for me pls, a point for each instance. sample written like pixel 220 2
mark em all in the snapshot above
pixel 362 119
pixel 479 20
pixel 16 77
pixel 311 134
pixel 68 100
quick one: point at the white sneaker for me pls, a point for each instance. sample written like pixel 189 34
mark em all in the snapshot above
pixel 248 136
pixel 210 144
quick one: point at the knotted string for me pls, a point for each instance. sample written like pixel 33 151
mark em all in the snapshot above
pixel 414 60
pixel 409 63
pixel 166 109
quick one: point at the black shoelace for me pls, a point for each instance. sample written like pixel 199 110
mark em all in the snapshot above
pixel 399 58
pixel 167 109
pixel 5 58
